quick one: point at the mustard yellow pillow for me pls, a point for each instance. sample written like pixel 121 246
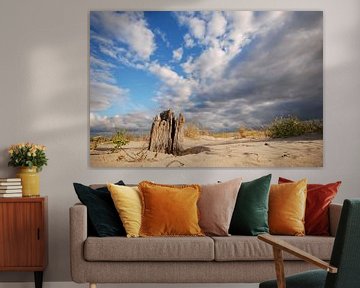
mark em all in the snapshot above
pixel 287 204
pixel 169 210
pixel 127 201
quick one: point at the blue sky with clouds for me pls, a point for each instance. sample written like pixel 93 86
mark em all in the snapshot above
pixel 224 69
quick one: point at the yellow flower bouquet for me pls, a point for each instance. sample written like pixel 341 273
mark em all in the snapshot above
pixel 27 155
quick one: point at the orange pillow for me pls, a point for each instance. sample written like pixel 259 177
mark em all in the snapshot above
pixel 169 210
pixel 318 200
pixel 287 204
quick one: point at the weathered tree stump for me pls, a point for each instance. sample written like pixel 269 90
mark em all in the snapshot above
pixel 167 133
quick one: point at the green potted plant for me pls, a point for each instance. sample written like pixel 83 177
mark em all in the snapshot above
pixel 30 158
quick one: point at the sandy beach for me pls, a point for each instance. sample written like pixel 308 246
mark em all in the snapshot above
pixel 208 151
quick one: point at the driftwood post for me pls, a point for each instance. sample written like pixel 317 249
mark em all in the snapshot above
pixel 167 133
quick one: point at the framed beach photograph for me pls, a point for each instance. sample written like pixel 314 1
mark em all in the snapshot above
pixel 206 89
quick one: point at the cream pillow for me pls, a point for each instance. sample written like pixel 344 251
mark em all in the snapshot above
pixel 127 201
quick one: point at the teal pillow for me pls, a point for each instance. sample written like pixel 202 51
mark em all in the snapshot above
pixel 250 216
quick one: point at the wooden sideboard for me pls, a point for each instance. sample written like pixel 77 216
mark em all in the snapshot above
pixel 23 235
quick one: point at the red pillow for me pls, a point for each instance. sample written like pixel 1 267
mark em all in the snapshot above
pixel 319 197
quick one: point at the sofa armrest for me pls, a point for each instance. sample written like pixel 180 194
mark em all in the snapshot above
pixel 78 235
pixel 334 217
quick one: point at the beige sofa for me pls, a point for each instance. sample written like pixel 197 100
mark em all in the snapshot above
pixel 234 259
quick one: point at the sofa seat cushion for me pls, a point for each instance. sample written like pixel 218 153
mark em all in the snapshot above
pixel 149 249
pixel 244 248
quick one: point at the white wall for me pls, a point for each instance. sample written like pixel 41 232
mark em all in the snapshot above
pixel 44 98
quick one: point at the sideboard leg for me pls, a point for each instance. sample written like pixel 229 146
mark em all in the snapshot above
pixel 38 279
pixel 92 285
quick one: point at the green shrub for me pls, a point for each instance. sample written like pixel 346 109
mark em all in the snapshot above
pixel 288 126
pixel 313 126
pixel 119 139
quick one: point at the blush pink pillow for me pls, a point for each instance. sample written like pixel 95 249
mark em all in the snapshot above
pixel 216 205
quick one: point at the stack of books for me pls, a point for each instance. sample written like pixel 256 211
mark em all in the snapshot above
pixel 10 187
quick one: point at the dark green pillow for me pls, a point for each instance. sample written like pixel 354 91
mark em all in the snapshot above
pixel 103 218
pixel 250 216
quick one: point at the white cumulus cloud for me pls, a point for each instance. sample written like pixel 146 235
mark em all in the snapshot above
pixel 175 90
pixel 189 41
pixel 178 53
pixel 217 25
pixel 129 28
pixel 139 121
pixel 197 26
pixel 104 95
pixel 100 70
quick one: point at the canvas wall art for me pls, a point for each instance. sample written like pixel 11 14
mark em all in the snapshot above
pixel 206 89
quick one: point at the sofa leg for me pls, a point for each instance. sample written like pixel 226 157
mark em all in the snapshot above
pixel 92 285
